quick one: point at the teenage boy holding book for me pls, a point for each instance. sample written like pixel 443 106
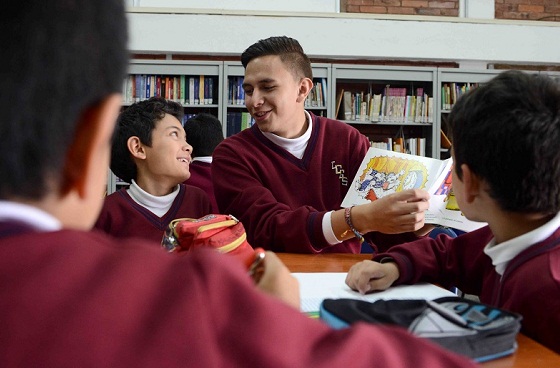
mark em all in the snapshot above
pixel 506 172
pixel 286 176
pixel 150 151
pixel 74 298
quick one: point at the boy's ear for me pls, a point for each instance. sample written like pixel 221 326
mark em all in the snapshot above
pixel 88 154
pixel 305 86
pixel 135 147
pixel 471 184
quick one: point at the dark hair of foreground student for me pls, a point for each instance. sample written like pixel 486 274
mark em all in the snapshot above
pixel 521 177
pixel 56 73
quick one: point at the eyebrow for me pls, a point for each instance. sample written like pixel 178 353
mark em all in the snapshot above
pixel 262 81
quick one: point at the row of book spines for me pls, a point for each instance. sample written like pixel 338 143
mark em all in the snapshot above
pixel 451 92
pixel 236 93
pixel 413 146
pixel 317 97
pixel 189 90
pixel 395 106
pixel 237 121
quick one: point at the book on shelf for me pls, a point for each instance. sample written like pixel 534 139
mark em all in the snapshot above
pixel 348 106
pixel 191 91
pixel 324 92
pixel 445 142
pixel 375 108
pixel 338 103
pixel 210 96
pixel 385 172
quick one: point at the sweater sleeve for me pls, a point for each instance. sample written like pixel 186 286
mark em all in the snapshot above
pixel 444 260
pixel 262 325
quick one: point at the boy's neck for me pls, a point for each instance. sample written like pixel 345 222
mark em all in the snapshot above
pixel 510 225
pixel 156 187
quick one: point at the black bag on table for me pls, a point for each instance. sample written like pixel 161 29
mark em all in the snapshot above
pixel 467 327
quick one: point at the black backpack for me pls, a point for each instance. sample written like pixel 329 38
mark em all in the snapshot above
pixel 470 328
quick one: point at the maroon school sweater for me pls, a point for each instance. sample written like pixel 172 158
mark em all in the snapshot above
pixel 280 199
pixel 122 217
pixel 201 177
pixel 84 299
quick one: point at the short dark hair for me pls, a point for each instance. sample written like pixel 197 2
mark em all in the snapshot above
pixel 139 119
pixel 288 49
pixel 60 57
pixel 507 132
pixel 204 133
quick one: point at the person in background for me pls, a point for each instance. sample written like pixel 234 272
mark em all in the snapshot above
pixel 70 297
pixel 287 175
pixel 204 133
pixel 505 137
pixel 151 152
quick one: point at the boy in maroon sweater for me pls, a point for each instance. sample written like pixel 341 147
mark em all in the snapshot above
pixel 286 177
pixel 74 298
pixel 506 173
pixel 204 133
pixel 151 152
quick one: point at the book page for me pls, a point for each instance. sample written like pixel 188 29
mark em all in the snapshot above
pixel 384 172
pixel 317 286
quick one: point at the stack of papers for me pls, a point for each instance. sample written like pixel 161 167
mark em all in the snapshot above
pixel 317 286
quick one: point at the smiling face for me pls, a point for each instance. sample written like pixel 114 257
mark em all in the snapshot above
pixel 167 160
pixel 274 96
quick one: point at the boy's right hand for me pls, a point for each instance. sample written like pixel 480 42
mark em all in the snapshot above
pixel 393 214
pixel 278 281
pixel 368 276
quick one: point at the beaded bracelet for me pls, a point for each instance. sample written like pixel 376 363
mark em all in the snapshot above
pixel 348 220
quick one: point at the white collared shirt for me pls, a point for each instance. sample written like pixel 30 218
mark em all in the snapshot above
pixel 30 215
pixel 501 254
pixel 158 205
pixel 296 146
pixel 207 159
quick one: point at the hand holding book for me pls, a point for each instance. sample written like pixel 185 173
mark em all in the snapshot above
pixel 384 173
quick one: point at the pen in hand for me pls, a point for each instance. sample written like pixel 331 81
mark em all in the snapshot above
pixel 255 265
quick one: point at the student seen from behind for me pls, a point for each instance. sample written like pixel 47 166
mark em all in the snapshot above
pixel 506 172
pixel 150 151
pixel 204 133
pixel 71 297
pixel 287 175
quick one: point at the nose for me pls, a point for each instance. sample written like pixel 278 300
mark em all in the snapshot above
pixel 187 147
pixel 254 100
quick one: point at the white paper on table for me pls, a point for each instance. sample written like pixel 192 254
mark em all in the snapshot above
pixel 317 286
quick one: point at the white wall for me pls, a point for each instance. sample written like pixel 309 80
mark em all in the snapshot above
pixel 253 5
pixel 347 36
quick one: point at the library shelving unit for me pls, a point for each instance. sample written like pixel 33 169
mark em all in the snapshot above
pixel 319 99
pixel 196 85
pixel 392 105
pixel 452 84
pixel 235 114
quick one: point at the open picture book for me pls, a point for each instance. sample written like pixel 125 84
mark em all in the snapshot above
pixel 383 172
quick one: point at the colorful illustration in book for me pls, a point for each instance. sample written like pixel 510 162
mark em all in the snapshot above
pixel 384 175
pixel 445 187
pixel 451 202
